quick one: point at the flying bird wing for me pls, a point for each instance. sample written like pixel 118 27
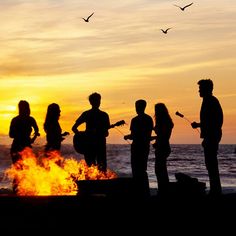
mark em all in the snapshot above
pixel 176 5
pixel 165 31
pixel 90 16
pixel 188 5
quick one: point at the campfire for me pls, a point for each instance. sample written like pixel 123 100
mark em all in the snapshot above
pixel 37 175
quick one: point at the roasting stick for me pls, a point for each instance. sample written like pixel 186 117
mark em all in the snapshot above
pixel 182 116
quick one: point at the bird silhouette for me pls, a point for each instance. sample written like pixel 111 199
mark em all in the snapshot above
pixel 165 31
pixel 183 8
pixel 87 19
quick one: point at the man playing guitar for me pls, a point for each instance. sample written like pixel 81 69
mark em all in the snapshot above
pixel 92 142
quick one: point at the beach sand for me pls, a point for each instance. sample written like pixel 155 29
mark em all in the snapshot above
pixel 99 212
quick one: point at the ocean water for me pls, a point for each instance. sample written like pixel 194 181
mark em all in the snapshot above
pixel 188 159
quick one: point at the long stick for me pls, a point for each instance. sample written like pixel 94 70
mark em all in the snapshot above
pixel 122 134
pixel 182 116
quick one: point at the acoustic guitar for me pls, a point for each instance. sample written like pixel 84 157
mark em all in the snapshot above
pixel 80 139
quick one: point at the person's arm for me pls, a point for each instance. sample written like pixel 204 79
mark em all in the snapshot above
pixel 12 129
pixel 107 126
pixel 35 127
pixel 65 133
pixel 74 127
pixel 129 136
pixel 78 122
pixel 36 130
pixel 152 129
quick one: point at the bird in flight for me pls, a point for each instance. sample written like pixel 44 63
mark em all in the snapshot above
pixel 183 8
pixel 87 19
pixel 165 31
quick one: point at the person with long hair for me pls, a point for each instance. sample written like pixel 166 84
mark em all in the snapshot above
pixel 54 135
pixel 163 129
pixel 20 131
pixel 21 128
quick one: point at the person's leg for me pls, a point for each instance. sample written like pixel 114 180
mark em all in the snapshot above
pixel 210 152
pixel 161 172
pixel 15 156
pixel 90 154
pixel 102 156
pixel 139 158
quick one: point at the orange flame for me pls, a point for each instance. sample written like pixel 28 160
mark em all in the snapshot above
pixel 51 175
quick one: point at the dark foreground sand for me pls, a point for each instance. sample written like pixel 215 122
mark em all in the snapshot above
pixel 122 213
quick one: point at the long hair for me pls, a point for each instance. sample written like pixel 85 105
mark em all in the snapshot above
pixel 53 113
pixel 162 115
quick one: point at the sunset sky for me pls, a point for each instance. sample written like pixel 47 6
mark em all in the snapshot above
pixel 49 54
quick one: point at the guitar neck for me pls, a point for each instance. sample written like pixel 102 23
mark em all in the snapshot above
pixel 112 126
pixel 121 122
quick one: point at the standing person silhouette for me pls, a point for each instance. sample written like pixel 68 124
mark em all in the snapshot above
pixel 211 121
pixel 20 130
pixel 54 135
pixel 141 129
pixel 163 129
pixel 97 126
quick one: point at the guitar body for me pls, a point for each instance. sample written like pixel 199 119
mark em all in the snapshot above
pixel 80 140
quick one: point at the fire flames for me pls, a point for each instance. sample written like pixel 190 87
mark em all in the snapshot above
pixel 51 175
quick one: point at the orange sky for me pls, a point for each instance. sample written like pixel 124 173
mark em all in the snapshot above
pixel 49 54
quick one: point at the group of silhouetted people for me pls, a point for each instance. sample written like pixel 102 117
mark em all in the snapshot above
pixel 211 121
pixel 141 135
pixel 97 124
pixel 22 126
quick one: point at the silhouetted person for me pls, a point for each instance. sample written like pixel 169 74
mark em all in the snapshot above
pixel 141 129
pixel 54 135
pixel 97 125
pixel 211 121
pixel 21 128
pixel 163 129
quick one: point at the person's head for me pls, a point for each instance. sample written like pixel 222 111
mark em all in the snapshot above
pixel 205 87
pixel 95 100
pixel 53 114
pixel 161 110
pixel 53 110
pixel 24 108
pixel 162 114
pixel 140 106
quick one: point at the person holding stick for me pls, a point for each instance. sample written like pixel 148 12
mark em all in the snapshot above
pixel 211 121
pixel 141 129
